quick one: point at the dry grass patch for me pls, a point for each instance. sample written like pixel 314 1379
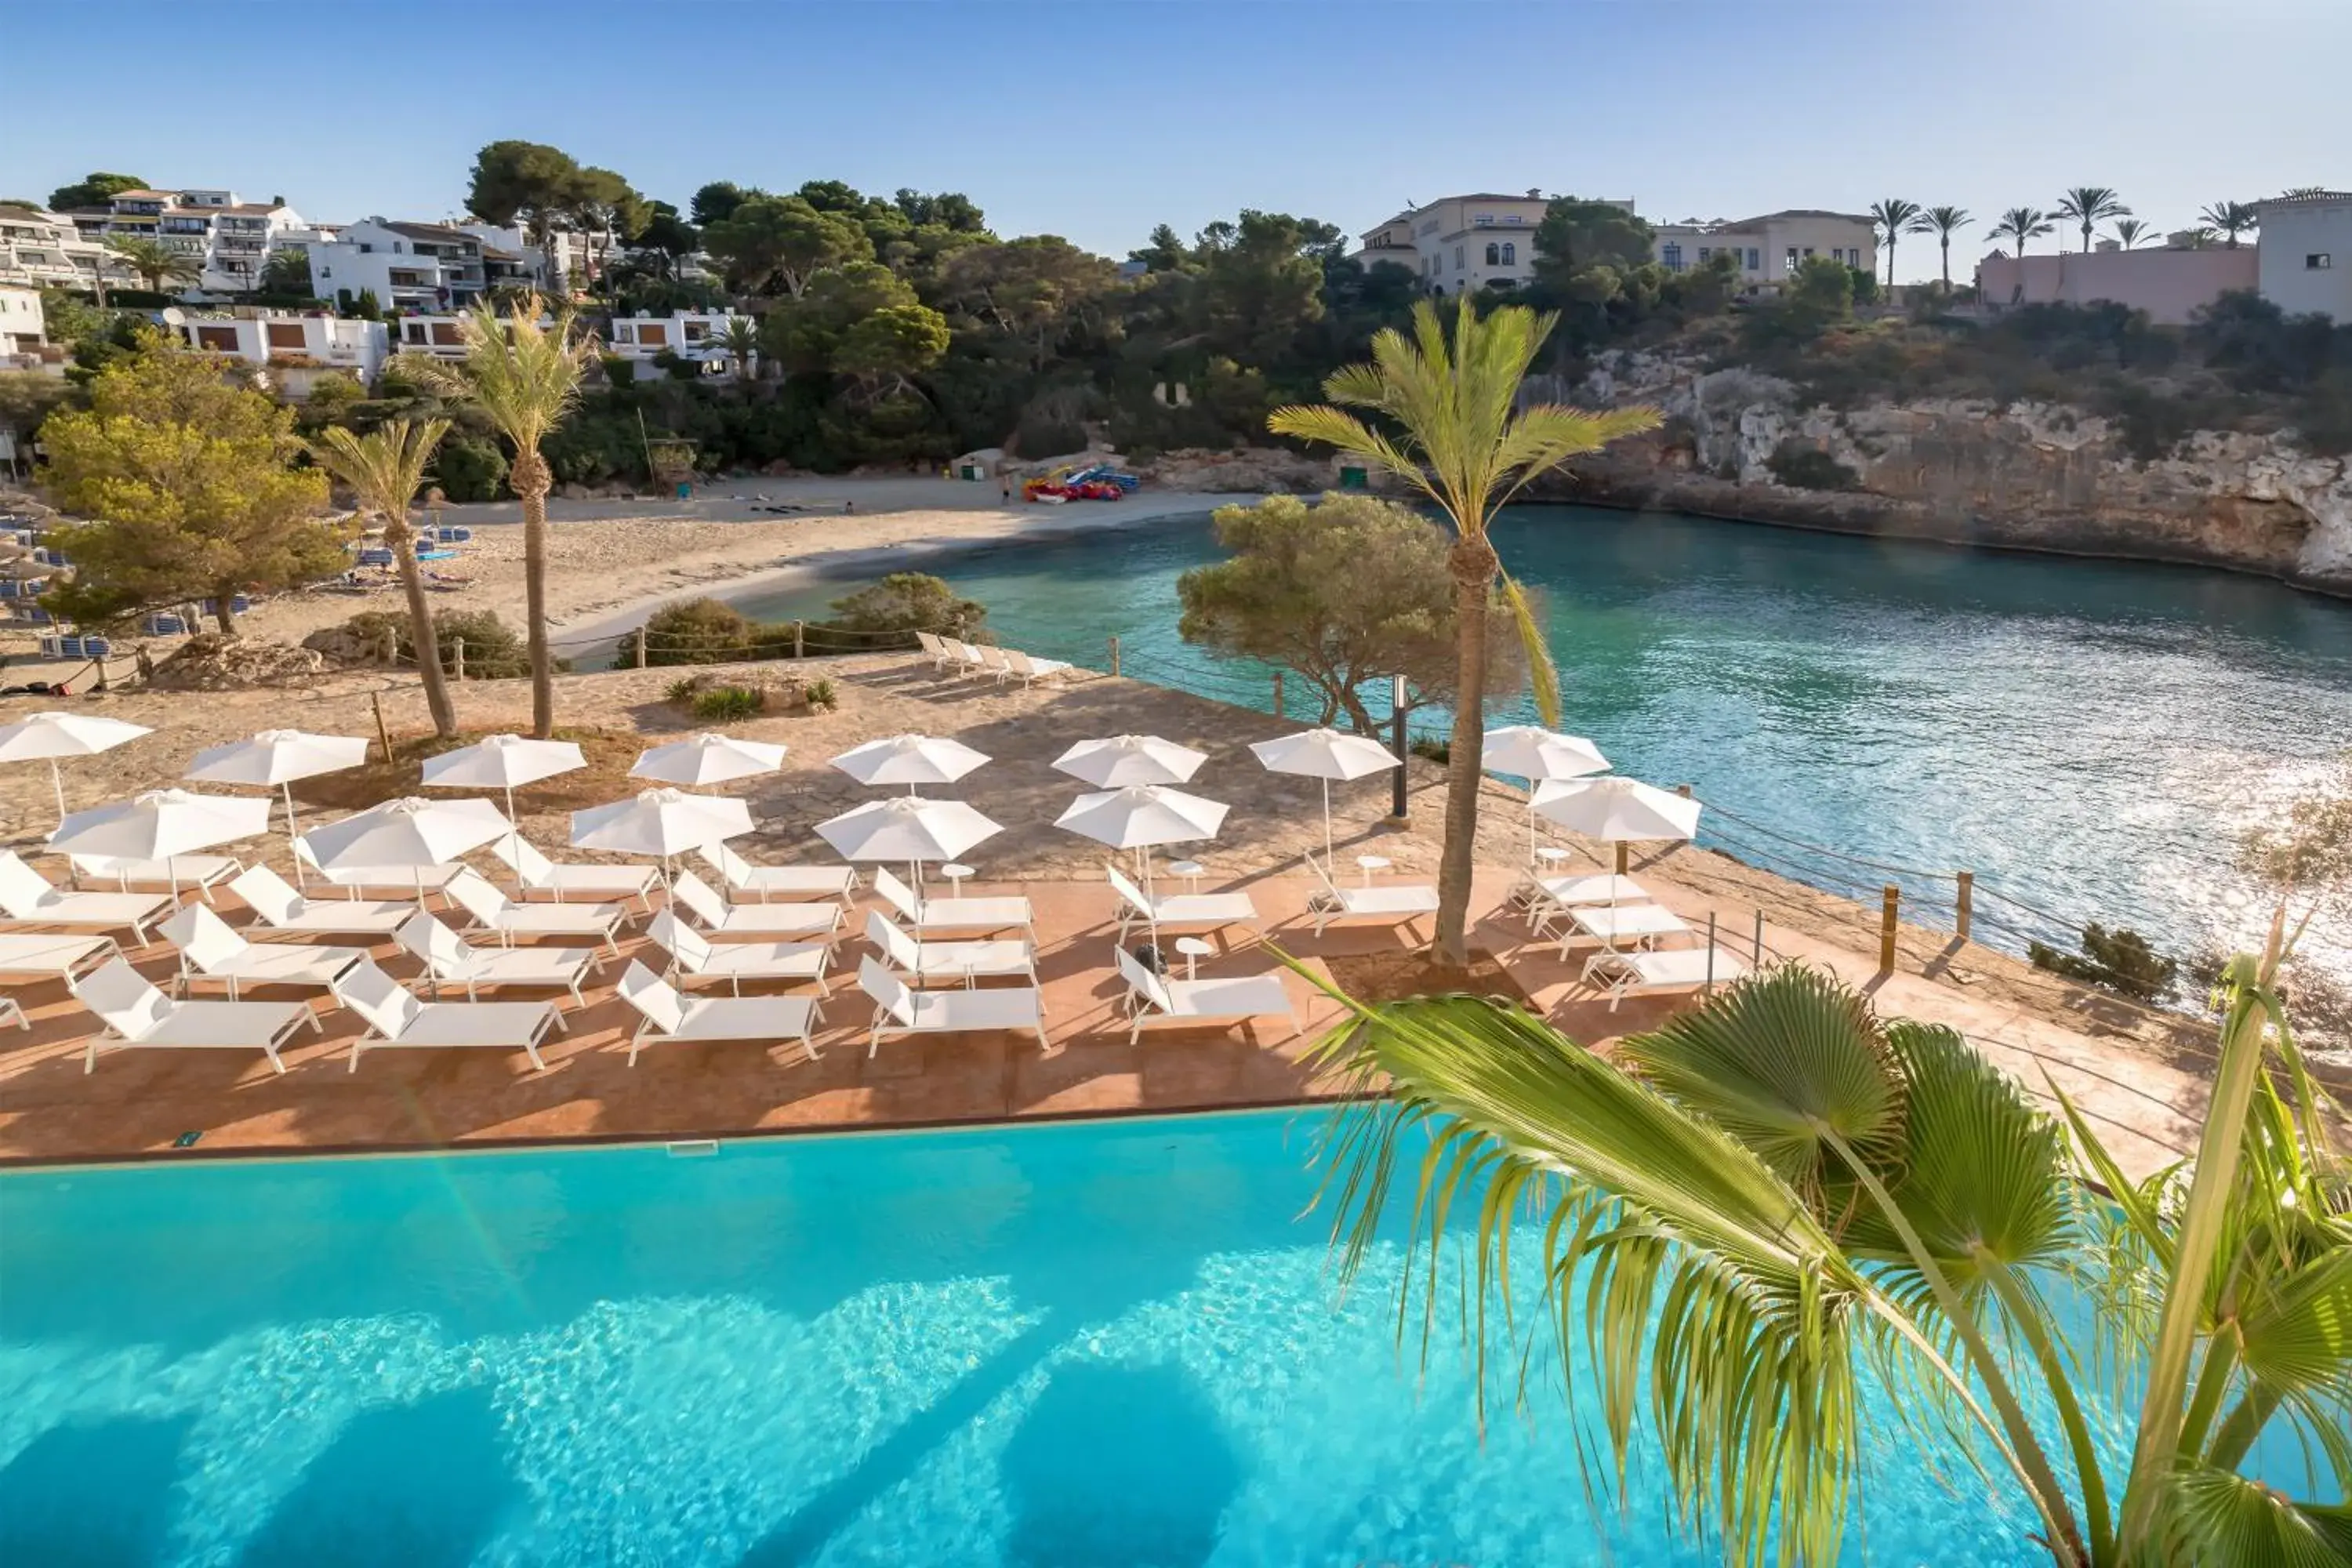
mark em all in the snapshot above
pixel 609 753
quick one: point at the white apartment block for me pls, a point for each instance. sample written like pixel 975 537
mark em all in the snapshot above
pixel 690 335
pixel 39 250
pixel 285 340
pixel 1769 248
pixel 229 239
pixel 1460 244
pixel 22 329
pixel 427 268
pixel 2306 254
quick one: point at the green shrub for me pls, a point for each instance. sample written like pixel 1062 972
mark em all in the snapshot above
pixel 2120 961
pixel 1432 748
pixel 470 469
pixel 494 650
pixel 620 371
pixel 1801 466
pixel 888 613
pixel 681 691
pixel 725 704
pixel 692 631
pixel 822 697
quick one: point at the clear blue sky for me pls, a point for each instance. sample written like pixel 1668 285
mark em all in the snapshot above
pixel 1097 120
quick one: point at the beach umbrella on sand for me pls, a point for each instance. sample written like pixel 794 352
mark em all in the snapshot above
pixel 1124 760
pixel 1617 810
pixel 707 759
pixel 46 737
pixel 909 829
pixel 1325 755
pixel 503 762
pixel 412 832
pixel 1536 754
pixel 276 758
pixel 660 822
pixel 910 759
pixel 160 823
pixel 1141 815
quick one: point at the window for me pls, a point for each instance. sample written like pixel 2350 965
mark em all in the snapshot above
pixel 1672 255
pixel 2318 261
pixel 1510 253
pixel 220 339
pixel 1458 262
pixel 1703 253
pixel 1494 254
pixel 1809 250
pixel 1792 258
pixel 1837 254
pixel 1755 259
pixel 284 334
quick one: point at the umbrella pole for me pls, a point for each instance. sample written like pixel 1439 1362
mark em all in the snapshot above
pixel 514 851
pixel 1329 861
pixel 57 782
pixel 293 832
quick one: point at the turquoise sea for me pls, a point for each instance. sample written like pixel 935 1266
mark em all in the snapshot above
pixel 2084 736
pixel 1079 1345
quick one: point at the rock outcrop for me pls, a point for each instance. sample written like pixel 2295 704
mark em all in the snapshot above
pixel 1257 470
pixel 2027 476
pixel 210 662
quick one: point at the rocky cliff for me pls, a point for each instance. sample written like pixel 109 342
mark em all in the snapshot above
pixel 2027 476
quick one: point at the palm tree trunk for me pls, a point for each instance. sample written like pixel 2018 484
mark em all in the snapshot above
pixel 224 612
pixel 531 480
pixel 1948 264
pixel 1473 564
pixel 420 628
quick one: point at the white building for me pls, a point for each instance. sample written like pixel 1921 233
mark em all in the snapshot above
pixel 2306 254
pixel 421 266
pixel 292 346
pixel 40 249
pixel 229 239
pixel 22 329
pixel 1458 243
pixel 1769 248
pixel 690 335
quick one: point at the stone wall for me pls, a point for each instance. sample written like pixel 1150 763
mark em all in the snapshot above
pixel 2029 476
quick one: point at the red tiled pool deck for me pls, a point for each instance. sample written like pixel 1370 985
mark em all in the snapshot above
pixel 140 1103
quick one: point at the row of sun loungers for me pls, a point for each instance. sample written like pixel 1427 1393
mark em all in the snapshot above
pixel 952 656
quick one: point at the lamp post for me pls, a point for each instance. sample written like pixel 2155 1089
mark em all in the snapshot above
pixel 1397 708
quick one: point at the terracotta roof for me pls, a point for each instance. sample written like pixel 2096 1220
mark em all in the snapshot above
pixel 439 232
pixel 23 215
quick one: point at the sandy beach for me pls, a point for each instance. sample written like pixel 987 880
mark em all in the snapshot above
pixel 613 562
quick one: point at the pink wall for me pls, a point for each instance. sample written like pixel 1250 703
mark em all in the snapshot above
pixel 2169 285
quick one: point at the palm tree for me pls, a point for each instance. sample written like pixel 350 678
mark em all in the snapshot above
pixel 2131 231
pixel 525 375
pixel 1461 446
pixel 156 263
pixel 383 469
pixel 2301 193
pixel 2229 219
pixel 2090 205
pixel 2022 223
pixel 1943 223
pixel 740 341
pixel 1893 216
pixel 1737 1215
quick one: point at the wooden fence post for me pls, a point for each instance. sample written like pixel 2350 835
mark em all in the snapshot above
pixel 1889 912
pixel 643 635
pixel 457 648
pixel 800 642
pixel 1278 694
pixel 1964 902
pixel 383 735
pixel 1114 653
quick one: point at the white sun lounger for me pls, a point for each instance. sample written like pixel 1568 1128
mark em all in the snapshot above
pixel 963 657
pixel 451 960
pixel 936 650
pixel 1621 927
pixel 493 913
pixel 1396 903
pixel 966 961
pixel 1152 999
pixel 898 1011
pixel 356 879
pixel 720 918
pixel 747 882
pixel 201 873
pixel 136 1014
pixel 28 900
pixel 1547 897
pixel 12 1013
pixel 670 1016
pixel 288 914
pixel 51 957
pixel 1029 669
pixel 696 959
pixel 992 662
pixel 1623 974
pixel 1179 911
pixel 394 1017
pixel 574 879
pixel 948 916
pixel 211 950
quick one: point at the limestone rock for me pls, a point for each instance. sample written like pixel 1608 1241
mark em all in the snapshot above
pixel 779 692
pixel 210 662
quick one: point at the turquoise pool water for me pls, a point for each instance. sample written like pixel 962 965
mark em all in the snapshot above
pixel 2082 735
pixel 1084 1345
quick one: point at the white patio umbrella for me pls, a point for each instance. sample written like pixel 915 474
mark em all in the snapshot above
pixel 1141 815
pixel 909 829
pixel 412 832
pixel 1124 760
pixel 707 760
pixel 1325 755
pixel 504 763
pixel 1617 810
pixel 1535 753
pixel 46 737
pixel 160 823
pixel 910 759
pixel 276 758
pixel 660 822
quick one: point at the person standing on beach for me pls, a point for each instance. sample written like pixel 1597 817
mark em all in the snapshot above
pixel 1005 487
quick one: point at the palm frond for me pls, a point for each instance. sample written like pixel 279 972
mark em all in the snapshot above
pixel 1543 675
pixel 2218 1518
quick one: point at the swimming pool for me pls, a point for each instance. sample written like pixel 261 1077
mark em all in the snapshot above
pixel 1088 1343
